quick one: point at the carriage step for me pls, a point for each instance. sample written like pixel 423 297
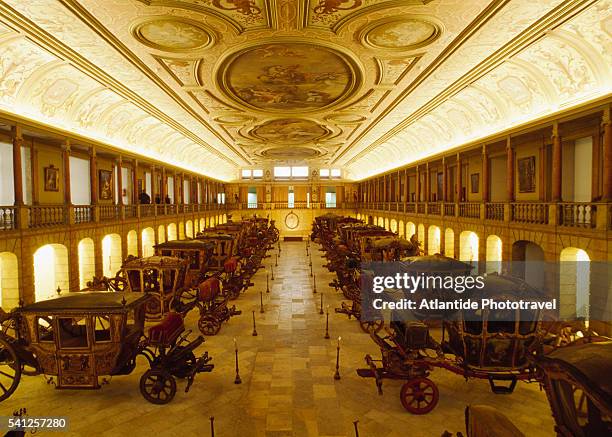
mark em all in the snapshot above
pixel 366 373
pixel 502 389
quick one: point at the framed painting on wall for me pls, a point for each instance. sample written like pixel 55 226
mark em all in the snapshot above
pixel 105 184
pixel 51 178
pixel 526 174
pixel 474 182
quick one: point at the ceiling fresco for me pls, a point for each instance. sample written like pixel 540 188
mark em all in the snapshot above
pixel 216 85
pixel 288 77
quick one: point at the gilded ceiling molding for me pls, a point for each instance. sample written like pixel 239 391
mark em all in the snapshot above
pixel 534 33
pixel 157 32
pixel 422 31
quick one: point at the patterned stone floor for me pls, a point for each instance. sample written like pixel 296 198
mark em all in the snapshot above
pixel 287 378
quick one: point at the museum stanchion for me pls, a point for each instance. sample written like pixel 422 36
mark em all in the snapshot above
pixel 254 326
pixel 237 380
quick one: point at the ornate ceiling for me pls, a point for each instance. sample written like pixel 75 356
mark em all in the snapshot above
pixel 215 85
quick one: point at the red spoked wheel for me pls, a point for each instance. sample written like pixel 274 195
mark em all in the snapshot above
pixel 419 395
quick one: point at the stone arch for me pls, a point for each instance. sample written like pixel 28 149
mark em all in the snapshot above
pixel 111 255
pixel 9 280
pixel 468 246
pixel 493 255
pixel 449 243
pixel 433 240
pixel 148 241
pixel 172 232
pixel 132 243
pixel 574 283
pixel 87 261
pixel 50 271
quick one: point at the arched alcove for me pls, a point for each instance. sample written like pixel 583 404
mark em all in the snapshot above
pixel 87 261
pixel 50 271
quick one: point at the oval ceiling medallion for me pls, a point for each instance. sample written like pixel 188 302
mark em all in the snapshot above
pixel 172 34
pixel 346 118
pixel 234 119
pixel 290 153
pixel 288 77
pixel 290 131
pixel 400 34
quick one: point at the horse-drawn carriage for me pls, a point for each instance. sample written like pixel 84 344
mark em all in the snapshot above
pixel 494 345
pixel 80 337
pixel 198 254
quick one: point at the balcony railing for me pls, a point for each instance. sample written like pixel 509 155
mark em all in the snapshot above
pixel 469 210
pixel 534 213
pixel 7 218
pixel 109 212
pixel 147 210
pixel 83 213
pixel 45 216
pixel 449 209
pixel 494 211
pixel 420 208
pixel 433 208
pixel 577 215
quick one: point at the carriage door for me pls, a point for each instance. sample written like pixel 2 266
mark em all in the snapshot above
pixel 76 366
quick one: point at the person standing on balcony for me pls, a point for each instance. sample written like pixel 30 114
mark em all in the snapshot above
pixel 144 198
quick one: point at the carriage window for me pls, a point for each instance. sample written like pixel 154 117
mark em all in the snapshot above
pixel 150 279
pixel 44 326
pixel 101 328
pixel 222 248
pixel 166 252
pixel 195 260
pixel 72 332
pixel 169 276
pixel 134 278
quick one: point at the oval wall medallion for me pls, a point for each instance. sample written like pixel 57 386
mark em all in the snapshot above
pixel 292 220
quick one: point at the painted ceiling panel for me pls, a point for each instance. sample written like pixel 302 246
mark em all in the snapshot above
pixel 214 85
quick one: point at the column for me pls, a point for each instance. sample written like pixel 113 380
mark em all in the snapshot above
pixel 119 181
pixel 176 188
pixel 417 187
pixel 66 158
pixel 509 170
pixel 444 181
pixel 458 191
pixel 556 164
pixel 135 193
pixel 485 174
pixel 607 157
pixel 17 172
pixel 93 170
pixel 427 187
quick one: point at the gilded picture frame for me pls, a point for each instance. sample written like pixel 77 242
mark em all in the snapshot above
pixel 51 178
pixel 105 184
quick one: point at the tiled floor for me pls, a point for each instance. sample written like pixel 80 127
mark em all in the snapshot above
pixel 287 378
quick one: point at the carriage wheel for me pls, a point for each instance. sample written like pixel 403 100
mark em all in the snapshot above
pixel 157 386
pixel 10 369
pixel 372 327
pixel 209 325
pixel 275 235
pixel 184 300
pixel 419 395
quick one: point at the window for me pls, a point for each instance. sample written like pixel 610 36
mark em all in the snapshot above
pixel 246 174
pixel 330 197
pixel 72 332
pixel 45 328
pixel 221 198
pixel 324 172
pixel 258 173
pixel 335 173
pixel 102 328
pixel 299 172
pixel 291 198
pixel 282 172
pixel 252 198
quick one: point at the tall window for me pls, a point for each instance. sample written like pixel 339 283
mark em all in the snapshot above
pixel 291 198
pixel 282 172
pixel 221 198
pixel 299 172
pixel 252 197
pixel 330 197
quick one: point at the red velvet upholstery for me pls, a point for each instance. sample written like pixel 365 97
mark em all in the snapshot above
pixel 168 329
pixel 231 265
pixel 209 289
